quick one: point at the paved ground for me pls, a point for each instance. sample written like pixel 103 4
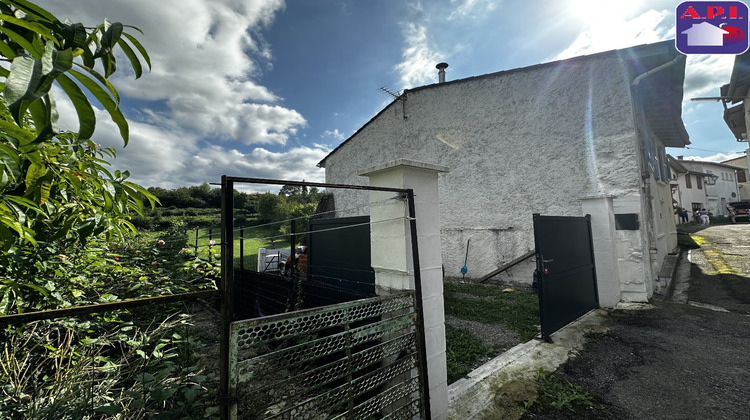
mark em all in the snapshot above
pixel 684 358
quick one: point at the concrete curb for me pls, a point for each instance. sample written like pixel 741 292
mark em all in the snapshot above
pixel 484 393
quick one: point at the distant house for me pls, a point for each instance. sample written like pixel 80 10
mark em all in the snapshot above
pixel 743 181
pixel 708 185
pixel 558 138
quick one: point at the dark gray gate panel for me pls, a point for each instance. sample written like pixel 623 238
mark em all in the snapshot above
pixel 339 254
pixel 565 268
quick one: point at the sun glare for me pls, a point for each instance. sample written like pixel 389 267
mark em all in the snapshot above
pixel 599 12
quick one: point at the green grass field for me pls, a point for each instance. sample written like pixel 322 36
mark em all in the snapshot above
pixel 252 240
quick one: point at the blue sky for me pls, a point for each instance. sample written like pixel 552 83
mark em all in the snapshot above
pixel 266 88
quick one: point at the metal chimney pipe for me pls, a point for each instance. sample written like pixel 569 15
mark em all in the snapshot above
pixel 441 71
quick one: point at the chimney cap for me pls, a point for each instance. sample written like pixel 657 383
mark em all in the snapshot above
pixel 441 66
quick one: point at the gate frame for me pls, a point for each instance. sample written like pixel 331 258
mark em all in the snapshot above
pixel 541 271
pixel 227 279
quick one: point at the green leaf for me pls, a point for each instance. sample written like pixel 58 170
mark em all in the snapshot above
pixel 54 63
pixel 7 51
pixel 86 116
pixel 88 57
pixel 101 79
pixel 11 129
pixel 107 102
pixel 23 42
pixel 23 202
pixel 31 8
pixel 34 27
pixel 110 410
pixel 74 36
pixel 138 46
pixel 34 173
pixel 132 57
pixel 109 63
pixel 24 79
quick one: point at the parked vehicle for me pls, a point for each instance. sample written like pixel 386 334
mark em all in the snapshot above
pixel 739 211
pixel 300 257
pixel 272 260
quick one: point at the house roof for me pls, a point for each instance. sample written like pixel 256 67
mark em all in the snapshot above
pixel 676 165
pixel 687 163
pixel 739 82
pixel 734 92
pixel 742 160
pixel 661 93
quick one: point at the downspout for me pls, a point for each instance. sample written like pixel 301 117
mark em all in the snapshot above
pixel 638 116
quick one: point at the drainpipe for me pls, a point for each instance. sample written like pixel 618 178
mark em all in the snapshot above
pixel 638 116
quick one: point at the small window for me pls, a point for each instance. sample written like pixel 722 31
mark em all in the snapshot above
pixel 699 182
pixel 741 176
pixel 688 184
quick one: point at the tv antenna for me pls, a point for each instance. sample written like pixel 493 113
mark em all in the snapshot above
pixel 385 90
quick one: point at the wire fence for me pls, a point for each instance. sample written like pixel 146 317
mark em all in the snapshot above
pixel 147 358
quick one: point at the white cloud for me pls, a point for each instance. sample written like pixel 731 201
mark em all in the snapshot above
pixel 616 31
pixel 170 157
pixel 471 8
pixel 718 158
pixel 704 74
pixel 335 134
pixel 417 66
pixel 205 56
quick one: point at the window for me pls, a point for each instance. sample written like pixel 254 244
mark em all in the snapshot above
pixel 741 176
pixel 688 184
pixel 699 182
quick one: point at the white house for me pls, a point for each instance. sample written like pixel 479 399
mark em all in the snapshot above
pixel 577 136
pixel 743 181
pixel 708 185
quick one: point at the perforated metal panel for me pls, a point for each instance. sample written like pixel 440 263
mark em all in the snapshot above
pixel 352 360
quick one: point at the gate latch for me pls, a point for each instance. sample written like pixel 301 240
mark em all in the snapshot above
pixel 546 271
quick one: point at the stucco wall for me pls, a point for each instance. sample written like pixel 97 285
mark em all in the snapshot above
pixel 517 143
pixel 726 186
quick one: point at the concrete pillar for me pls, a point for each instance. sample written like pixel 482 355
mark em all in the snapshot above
pixel 390 238
pixel 604 239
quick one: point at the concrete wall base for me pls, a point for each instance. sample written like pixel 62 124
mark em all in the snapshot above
pixel 498 388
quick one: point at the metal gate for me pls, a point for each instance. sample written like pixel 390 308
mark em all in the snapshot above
pixel 355 360
pixel 565 270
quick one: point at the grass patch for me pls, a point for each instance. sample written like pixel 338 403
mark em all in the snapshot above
pixel 556 394
pixel 462 351
pixel 518 310
pixel 253 239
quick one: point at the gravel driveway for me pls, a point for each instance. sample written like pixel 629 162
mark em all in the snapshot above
pixel 685 359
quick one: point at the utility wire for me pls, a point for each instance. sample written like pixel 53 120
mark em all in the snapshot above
pixel 715 151
pixel 289 235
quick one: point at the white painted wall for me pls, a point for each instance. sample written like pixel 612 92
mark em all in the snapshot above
pixel 744 163
pixel 691 195
pixel 726 186
pixel 533 140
